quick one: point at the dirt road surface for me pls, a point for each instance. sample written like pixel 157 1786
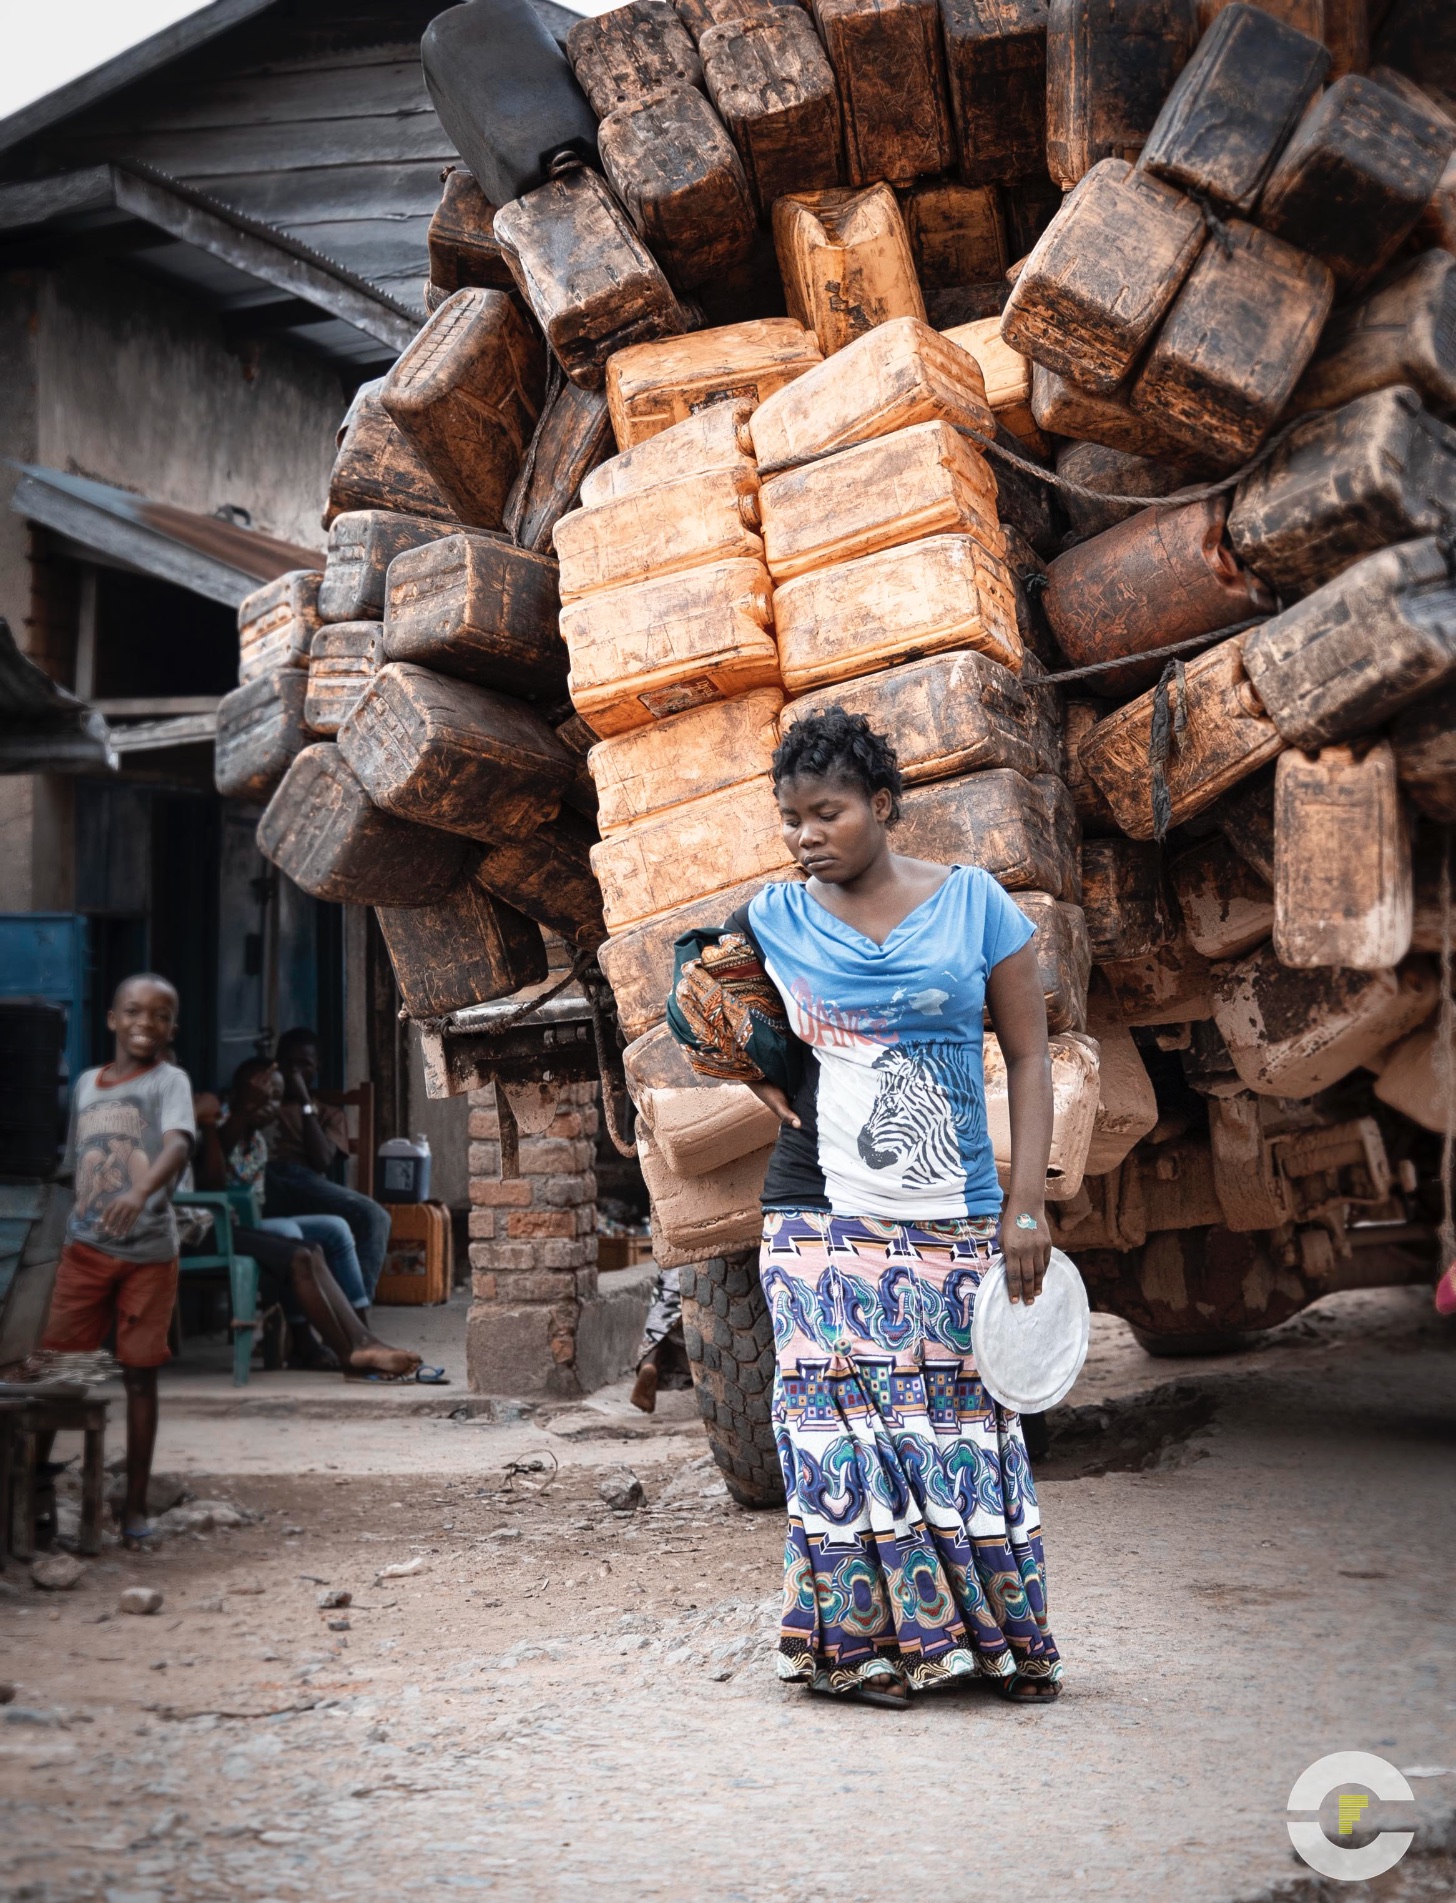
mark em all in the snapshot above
pixel 1251 1564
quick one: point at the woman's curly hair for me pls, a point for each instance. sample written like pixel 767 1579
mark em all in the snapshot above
pixel 834 745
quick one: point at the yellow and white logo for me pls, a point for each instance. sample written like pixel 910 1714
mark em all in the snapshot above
pixel 1346 1863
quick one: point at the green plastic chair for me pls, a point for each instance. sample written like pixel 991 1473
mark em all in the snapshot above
pixel 231 1209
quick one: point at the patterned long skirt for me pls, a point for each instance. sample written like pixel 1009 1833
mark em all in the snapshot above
pixel 914 1541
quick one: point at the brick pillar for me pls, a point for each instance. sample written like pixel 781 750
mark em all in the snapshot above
pixel 533 1248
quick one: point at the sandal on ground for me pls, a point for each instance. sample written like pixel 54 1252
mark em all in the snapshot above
pixel 890 1693
pixel 143 1538
pixel 1021 1690
pixel 432 1377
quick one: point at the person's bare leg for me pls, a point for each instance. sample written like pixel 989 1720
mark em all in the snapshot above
pixel 644 1388
pixel 327 1307
pixel 141 1441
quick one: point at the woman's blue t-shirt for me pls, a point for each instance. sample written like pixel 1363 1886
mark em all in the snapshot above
pixel 895 1094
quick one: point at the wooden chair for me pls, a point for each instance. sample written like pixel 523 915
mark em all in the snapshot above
pixel 361 1144
pixel 231 1209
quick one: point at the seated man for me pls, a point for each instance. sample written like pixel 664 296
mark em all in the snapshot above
pixel 302 1147
pixel 230 1154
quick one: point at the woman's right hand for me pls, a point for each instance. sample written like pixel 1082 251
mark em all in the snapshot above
pixel 771 1095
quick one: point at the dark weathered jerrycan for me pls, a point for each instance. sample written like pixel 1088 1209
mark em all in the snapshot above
pixel 1102 274
pixel 592 284
pixel 1233 345
pixel 466 949
pixel 1424 738
pixel 323 830
pixel 1245 817
pixel 621 56
pixel 505 95
pixel 1111 472
pixel 1227 909
pixel 1110 64
pixel 573 435
pixel 277 623
pixel 466 393
pixel 1403 332
pixel 548 876
pixel 458 757
pixel 774 89
pixel 475 607
pixel 1064 408
pixel 1062 809
pixel 1295 1033
pixel 1380 470
pixel 1163 575
pixel 1418 37
pixel 957 235
pixel 888 60
pixel 260 732
pixel 1234 106
pixel 951 714
pixel 343 660
pixel 460 240
pixel 1063 957
pixel 995 57
pixel 376 468
pixel 1356 176
pixel 1124 898
pixel 1094 815
pixel 362 544
pixel 997 819
pixel 1343 893
pixel 1224 735
pixel 698 15
pixel 681 182
pixel 1361 648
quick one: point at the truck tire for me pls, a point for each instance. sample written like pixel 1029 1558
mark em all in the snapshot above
pixel 728 1333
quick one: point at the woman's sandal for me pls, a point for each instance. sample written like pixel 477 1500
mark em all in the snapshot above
pixel 889 1693
pixel 1021 1690
pixel 141 1539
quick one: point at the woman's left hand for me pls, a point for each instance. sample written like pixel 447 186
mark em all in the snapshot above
pixel 1025 1252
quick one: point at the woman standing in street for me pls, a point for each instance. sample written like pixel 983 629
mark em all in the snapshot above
pixel 853 1004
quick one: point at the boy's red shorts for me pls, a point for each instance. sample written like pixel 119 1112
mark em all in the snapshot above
pixel 94 1289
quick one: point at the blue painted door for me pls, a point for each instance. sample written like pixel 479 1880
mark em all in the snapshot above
pixel 43 955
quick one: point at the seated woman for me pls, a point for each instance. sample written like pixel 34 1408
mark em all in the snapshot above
pixel 232 1154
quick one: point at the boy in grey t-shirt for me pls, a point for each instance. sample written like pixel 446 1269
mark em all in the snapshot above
pixel 132 1131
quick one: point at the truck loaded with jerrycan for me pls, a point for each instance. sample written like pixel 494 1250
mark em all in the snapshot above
pixel 1062 386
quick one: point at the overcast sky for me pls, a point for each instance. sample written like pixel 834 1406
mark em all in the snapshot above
pixel 47 42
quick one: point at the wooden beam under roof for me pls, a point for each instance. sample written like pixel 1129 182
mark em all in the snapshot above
pixel 101 194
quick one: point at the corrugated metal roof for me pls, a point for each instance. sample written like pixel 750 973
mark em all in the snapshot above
pixel 43 728
pixel 215 559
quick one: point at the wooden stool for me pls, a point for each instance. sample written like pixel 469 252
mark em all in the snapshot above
pixel 22 1421
pixel 11 1437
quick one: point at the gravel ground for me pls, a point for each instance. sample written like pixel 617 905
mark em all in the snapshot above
pixel 567 1702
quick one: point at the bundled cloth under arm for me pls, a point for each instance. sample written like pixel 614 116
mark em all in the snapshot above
pixel 727 1014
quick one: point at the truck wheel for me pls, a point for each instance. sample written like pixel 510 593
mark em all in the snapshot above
pixel 729 1338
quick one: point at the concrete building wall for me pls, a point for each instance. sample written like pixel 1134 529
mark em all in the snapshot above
pixel 136 386
pixel 107 375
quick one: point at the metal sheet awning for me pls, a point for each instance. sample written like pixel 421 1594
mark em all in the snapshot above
pixel 44 729
pixel 213 558
pixel 245 269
